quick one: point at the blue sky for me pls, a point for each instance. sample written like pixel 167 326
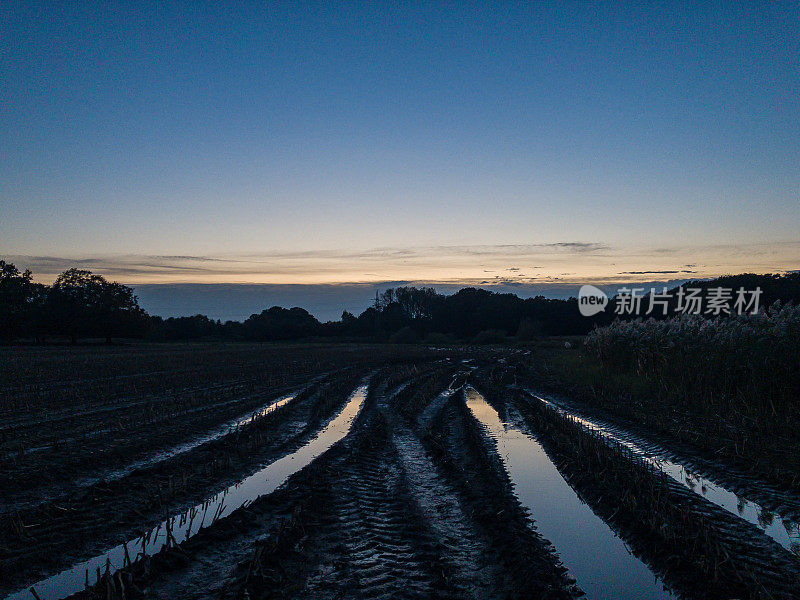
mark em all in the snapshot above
pixel 320 144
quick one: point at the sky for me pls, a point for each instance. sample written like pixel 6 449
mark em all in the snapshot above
pixel 322 144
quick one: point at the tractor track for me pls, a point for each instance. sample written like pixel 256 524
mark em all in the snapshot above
pixel 415 499
pixel 525 564
pixel 751 564
pixel 76 525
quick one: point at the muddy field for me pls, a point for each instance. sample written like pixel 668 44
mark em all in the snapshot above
pixel 357 472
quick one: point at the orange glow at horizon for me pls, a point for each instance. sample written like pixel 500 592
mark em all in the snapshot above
pixel 466 265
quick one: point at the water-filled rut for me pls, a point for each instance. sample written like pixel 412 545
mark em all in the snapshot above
pixel 782 528
pixel 179 527
pixel 599 560
pixel 215 434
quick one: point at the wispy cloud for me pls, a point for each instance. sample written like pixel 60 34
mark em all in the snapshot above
pixel 172 257
pixel 438 251
pixel 656 272
pixel 578 246
pixel 532 264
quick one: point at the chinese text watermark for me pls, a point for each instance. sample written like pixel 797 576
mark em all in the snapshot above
pixel 713 302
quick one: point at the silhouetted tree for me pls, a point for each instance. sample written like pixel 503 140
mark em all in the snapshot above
pixel 81 303
pixel 188 328
pixel 20 298
pixel 281 324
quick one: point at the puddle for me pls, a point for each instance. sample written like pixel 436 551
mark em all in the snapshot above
pixel 221 431
pixel 783 530
pixel 599 561
pixel 215 434
pixel 264 411
pixel 188 523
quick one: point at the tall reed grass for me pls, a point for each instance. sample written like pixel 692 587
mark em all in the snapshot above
pixel 748 363
pixel 729 384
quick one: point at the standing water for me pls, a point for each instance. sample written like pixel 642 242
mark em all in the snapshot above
pixel 216 434
pixel 184 525
pixel 783 529
pixel 600 561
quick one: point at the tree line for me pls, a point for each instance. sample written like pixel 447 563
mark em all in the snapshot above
pixel 80 304
pixel 403 315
